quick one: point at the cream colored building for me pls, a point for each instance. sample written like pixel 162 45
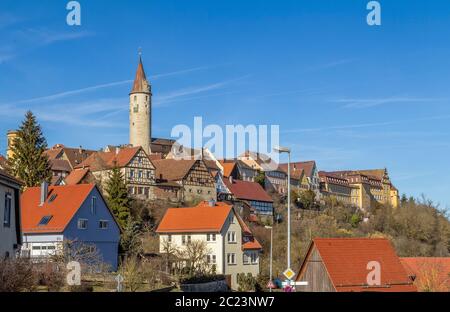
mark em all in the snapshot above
pixel 231 247
pixel 141 110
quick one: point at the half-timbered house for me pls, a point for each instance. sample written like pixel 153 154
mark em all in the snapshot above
pixel 193 177
pixel 134 163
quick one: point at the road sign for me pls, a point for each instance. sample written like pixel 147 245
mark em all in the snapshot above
pixel 291 283
pixel 289 273
pixel 119 280
pixel 271 285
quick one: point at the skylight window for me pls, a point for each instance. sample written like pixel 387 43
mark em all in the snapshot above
pixel 45 220
pixel 52 198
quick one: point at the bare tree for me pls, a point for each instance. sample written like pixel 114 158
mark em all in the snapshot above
pixel 132 273
pixel 194 256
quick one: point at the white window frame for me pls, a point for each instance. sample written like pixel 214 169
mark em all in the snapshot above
pixel 231 258
pixel 79 224
pixel 232 235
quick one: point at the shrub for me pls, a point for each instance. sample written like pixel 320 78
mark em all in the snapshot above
pixel 17 275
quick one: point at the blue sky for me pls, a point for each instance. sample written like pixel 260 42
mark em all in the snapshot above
pixel 348 95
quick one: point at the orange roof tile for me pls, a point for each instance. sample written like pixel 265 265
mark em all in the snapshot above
pixel 228 168
pixel 253 244
pixel 66 203
pixel 108 160
pixel 76 176
pixel 346 259
pixel 201 218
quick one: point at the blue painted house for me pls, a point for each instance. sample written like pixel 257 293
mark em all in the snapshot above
pixel 52 215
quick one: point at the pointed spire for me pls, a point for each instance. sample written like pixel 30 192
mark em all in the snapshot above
pixel 140 80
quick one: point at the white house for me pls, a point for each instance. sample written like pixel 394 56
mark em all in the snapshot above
pixel 10 229
pixel 231 245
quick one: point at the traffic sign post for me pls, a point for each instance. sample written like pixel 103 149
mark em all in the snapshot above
pixel 289 273
pixel 270 285
pixel 119 280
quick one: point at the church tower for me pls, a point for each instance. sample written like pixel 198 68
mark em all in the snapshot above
pixel 141 110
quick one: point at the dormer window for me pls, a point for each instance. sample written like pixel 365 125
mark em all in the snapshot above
pixel 45 220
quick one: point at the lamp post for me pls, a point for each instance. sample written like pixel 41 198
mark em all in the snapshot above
pixel 271 248
pixel 287 150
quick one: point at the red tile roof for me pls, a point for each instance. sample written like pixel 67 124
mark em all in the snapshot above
pixel 2 162
pixel 346 259
pixel 429 271
pixel 296 172
pixel 306 166
pixel 60 165
pixel 140 83
pixel 173 169
pixel 108 160
pixel 251 245
pixel 68 200
pixel 74 155
pixel 247 190
pixel 76 176
pixel 201 218
pixel 228 167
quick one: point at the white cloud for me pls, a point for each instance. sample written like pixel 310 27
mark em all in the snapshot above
pixel 372 102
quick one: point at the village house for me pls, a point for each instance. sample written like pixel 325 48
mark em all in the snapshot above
pixel 276 181
pixel 185 180
pixel 343 265
pixel 57 214
pixel 238 170
pixel 307 172
pixel 231 246
pixel 252 193
pixel 133 162
pixel 333 186
pixel 79 176
pixel 10 228
pixel 73 156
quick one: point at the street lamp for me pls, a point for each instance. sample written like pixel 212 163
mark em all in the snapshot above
pixel 271 248
pixel 287 150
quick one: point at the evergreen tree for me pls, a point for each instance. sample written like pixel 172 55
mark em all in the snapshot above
pixel 261 179
pixel 118 199
pixel 29 163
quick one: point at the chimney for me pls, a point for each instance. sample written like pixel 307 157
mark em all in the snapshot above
pixel 230 178
pixel 211 203
pixel 44 192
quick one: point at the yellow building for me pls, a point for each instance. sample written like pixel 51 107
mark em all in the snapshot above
pixel 11 135
pixel 370 187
